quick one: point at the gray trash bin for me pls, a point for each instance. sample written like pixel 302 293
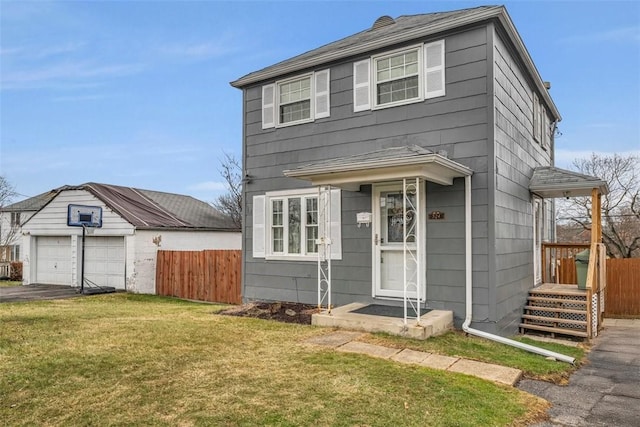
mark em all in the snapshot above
pixel 582 266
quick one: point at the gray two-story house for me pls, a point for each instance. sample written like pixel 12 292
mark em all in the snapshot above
pixel 395 164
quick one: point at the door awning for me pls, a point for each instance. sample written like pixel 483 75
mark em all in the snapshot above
pixel 552 182
pixel 388 164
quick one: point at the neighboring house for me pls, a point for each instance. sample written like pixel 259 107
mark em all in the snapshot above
pixel 11 219
pixel 411 143
pixel 121 252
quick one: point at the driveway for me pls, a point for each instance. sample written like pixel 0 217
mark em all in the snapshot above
pixel 606 390
pixel 36 292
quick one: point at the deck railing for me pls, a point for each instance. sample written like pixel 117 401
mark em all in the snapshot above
pixel 558 262
pixel 559 266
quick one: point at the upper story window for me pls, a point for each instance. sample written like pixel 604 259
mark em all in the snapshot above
pixel 15 219
pixel 295 100
pixel 400 77
pixel 300 99
pixel 397 77
pixel 542 125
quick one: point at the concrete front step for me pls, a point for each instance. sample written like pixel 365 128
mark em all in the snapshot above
pixel 433 323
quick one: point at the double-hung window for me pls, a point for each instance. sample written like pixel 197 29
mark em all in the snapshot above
pixel 400 77
pixel 296 100
pixel 287 224
pixel 397 77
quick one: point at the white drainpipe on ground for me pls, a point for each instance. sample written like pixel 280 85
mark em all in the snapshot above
pixel 469 291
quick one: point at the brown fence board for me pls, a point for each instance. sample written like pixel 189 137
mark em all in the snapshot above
pixel 212 275
pixel 622 295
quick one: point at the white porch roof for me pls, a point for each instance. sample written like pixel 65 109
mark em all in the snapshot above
pixel 388 164
pixel 552 182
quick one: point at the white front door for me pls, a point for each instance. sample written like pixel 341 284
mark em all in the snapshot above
pixel 388 251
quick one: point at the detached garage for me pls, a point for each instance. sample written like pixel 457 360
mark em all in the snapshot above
pixel 122 228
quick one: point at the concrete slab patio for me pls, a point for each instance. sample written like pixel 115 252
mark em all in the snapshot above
pixel 346 342
pixel 433 323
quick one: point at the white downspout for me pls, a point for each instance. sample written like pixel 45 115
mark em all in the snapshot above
pixel 469 290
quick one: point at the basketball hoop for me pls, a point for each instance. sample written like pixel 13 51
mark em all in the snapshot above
pixel 89 230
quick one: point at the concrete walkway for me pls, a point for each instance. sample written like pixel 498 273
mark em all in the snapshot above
pixel 606 390
pixel 346 341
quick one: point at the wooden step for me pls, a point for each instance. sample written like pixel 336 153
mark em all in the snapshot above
pixel 554 320
pixel 563 331
pixel 567 292
pixel 555 309
pixel 557 300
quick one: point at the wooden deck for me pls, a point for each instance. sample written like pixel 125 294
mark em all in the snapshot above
pixel 556 309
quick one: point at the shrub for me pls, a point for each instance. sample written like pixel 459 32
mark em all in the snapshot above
pixel 16 271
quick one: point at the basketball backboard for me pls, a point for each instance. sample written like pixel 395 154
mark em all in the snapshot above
pixel 84 216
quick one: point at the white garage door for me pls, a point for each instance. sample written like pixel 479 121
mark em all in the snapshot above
pixel 53 260
pixel 105 261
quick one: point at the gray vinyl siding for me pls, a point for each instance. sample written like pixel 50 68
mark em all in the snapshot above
pixel 516 155
pixel 456 123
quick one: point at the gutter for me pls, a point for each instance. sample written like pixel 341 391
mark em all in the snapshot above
pixel 469 293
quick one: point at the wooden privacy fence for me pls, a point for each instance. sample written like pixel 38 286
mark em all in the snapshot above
pixel 622 295
pixel 211 275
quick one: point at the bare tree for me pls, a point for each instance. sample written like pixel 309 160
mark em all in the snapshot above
pixel 230 203
pixel 620 208
pixel 8 228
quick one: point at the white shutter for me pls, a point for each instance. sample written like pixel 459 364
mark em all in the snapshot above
pixel 361 85
pixel 259 219
pixel 322 94
pixel 536 117
pixel 268 106
pixel 336 224
pixel 546 130
pixel 434 69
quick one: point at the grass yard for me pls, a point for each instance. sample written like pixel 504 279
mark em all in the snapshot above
pixel 125 359
pixel 456 343
pixel 9 283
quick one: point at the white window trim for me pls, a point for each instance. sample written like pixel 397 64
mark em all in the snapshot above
pixel 271 104
pixel 261 240
pixel 303 194
pixel 279 83
pixel 537 126
pixel 374 81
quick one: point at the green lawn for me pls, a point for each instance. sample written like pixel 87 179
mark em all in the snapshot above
pixel 456 343
pixel 9 283
pixel 125 359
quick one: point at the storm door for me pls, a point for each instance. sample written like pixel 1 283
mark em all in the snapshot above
pixel 388 241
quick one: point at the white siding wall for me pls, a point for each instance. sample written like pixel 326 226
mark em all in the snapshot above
pixel 141 252
pixel 140 249
pixel 52 221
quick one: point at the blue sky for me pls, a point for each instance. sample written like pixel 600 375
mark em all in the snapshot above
pixel 137 93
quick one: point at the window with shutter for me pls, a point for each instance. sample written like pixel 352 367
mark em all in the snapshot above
pixel 537 126
pixel 300 99
pixel 396 78
pixel 293 222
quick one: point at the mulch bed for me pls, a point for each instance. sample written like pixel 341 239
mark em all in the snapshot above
pixel 287 312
